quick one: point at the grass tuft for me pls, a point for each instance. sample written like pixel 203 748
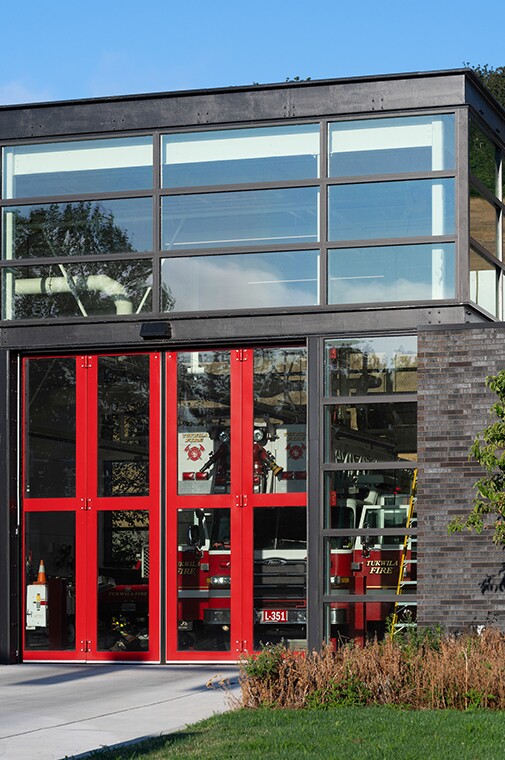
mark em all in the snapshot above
pixel 424 670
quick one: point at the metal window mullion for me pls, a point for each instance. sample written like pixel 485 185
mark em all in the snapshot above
pixel 242 187
pixel 368 179
pixel 386 398
pixel 156 211
pixel 356 532
pixel 243 250
pixel 106 258
pixel 392 242
pixel 44 200
pixel 323 215
pixel 398 464
pixel 315 505
pixel 370 598
pixel 486 194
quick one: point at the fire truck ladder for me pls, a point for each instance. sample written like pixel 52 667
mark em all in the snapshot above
pixel 403 612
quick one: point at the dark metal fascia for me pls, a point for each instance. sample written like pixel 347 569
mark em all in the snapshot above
pixel 239 105
pixel 219 329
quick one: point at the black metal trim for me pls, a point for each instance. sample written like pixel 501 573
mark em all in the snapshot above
pixel 10 607
pixel 314 502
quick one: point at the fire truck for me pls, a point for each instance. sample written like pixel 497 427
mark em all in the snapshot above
pixel 359 565
pixel 369 566
pixel 280 547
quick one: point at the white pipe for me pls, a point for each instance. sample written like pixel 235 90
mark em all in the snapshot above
pixel 94 282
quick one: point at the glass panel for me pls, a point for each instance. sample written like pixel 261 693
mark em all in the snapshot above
pixel 203 579
pixel 280 576
pixel 370 565
pixel 483 283
pixel 391 146
pixel 77 229
pixel 241 281
pixel 367 621
pixel 87 166
pixel 414 208
pixel 359 499
pixel 371 432
pixel 483 222
pixel 203 419
pixel 253 217
pixel 362 366
pixel 280 420
pixel 483 158
pixel 50 600
pixel 224 157
pixel 123 581
pixel 391 273
pixel 50 415
pixel 123 425
pixel 83 289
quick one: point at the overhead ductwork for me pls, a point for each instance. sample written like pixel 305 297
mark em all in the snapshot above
pixel 76 286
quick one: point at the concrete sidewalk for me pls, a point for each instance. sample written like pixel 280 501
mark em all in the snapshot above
pixel 49 712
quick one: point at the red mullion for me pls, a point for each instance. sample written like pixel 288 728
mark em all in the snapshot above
pixel 86 554
pixel 83 586
pixel 22 453
pixel 243 406
pixel 190 501
pixel 154 510
pixel 109 504
pixel 295 499
pixel 49 505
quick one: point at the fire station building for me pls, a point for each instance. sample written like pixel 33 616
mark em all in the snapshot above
pixel 244 338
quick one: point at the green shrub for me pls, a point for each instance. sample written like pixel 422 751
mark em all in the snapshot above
pixel 348 692
pixel 266 664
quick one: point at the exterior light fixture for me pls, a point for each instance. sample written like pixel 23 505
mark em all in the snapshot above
pixel 156 330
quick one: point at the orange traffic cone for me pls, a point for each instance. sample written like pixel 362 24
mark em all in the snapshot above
pixel 41 577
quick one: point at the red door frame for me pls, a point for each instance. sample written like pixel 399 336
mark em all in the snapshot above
pixel 86 504
pixel 241 501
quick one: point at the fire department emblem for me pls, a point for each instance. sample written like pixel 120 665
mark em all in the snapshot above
pixel 194 452
pixel 295 450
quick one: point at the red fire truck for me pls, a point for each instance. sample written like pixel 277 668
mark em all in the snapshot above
pixel 360 566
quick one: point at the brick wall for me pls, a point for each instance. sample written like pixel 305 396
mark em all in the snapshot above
pixel 461 578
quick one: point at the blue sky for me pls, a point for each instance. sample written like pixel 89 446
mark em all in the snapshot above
pixel 64 50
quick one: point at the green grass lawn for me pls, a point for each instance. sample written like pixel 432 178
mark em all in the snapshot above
pixel 347 733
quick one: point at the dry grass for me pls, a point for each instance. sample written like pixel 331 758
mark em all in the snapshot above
pixel 424 671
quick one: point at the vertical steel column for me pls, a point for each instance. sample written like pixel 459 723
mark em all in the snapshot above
pixel 314 501
pixel 10 602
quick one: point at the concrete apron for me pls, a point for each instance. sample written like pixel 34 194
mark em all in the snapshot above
pixel 50 711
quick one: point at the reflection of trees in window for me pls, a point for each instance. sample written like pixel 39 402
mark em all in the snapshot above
pixel 123 416
pixel 482 158
pixel 68 229
pixel 126 537
pixel 204 389
pixel 359 370
pixel 280 388
pixel 51 427
pixel 76 288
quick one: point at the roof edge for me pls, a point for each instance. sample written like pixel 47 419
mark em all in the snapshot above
pixel 256 87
